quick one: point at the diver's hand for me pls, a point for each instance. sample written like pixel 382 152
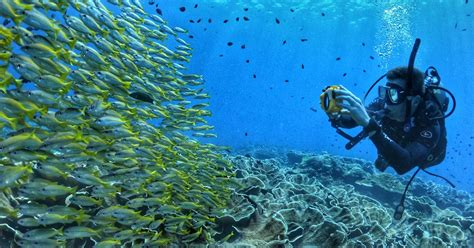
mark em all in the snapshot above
pixel 354 105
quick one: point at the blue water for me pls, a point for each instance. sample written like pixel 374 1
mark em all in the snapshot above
pixel 267 110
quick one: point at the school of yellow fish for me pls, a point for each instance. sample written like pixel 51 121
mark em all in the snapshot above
pixel 96 126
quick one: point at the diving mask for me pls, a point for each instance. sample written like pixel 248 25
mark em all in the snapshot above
pixel 392 93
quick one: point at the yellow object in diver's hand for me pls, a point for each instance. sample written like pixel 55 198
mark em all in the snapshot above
pixel 328 100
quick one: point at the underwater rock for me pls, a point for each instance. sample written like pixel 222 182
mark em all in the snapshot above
pixel 294 157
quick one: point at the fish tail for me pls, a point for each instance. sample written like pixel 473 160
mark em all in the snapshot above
pixel 66 89
pixel 13 124
pixel 72 43
pixel 18 19
pixel 66 55
pixel 55 32
pixel 42 110
pixel 27 6
pixel 4 84
pixel 78 136
pixel 19 82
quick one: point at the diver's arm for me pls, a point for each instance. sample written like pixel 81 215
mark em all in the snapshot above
pixel 414 154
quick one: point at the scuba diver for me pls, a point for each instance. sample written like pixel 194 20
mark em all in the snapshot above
pixel 405 122
pixel 403 140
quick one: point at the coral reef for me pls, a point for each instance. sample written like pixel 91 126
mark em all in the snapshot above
pixel 330 201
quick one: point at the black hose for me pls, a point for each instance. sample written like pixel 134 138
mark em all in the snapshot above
pixel 411 63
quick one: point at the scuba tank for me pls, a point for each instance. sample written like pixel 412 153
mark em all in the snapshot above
pixel 437 95
pixel 432 78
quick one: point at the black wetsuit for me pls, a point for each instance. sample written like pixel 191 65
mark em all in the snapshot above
pixel 423 145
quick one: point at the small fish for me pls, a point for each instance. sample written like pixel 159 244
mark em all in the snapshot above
pixel 71 115
pixel 108 243
pixel 49 219
pixel 28 222
pixel 80 232
pixel 44 243
pixel 56 190
pixel 41 234
pixel 28 156
pixel 193 236
pixel 37 19
pixel 88 178
pixel 28 141
pixel 9 174
pixel 109 121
